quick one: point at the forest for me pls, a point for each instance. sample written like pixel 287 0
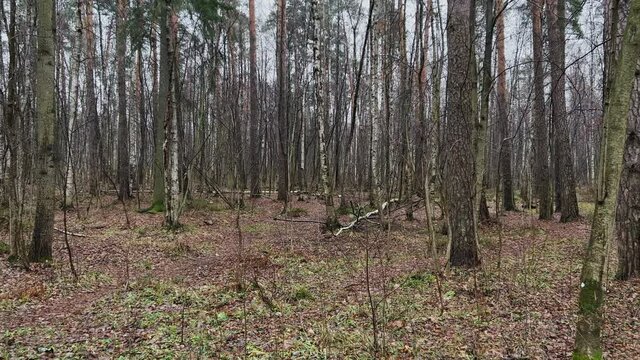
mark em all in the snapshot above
pixel 320 179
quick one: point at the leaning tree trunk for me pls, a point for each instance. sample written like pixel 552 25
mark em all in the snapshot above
pixel 124 190
pixel 590 316
pixel 541 131
pixel 564 169
pixel 457 160
pixel 41 248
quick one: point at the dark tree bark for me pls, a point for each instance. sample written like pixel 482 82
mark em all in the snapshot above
pixel 457 160
pixel 254 122
pixel 503 114
pixel 628 215
pixel 142 111
pixel 161 113
pixel 562 140
pixel 541 131
pixel 124 190
pixel 480 138
pixel 283 106
pixel 93 123
pixel 628 208
pixel 41 248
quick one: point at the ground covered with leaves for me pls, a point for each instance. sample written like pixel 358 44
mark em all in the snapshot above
pixel 235 284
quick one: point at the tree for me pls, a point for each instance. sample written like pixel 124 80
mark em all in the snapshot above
pixel 254 122
pixel 541 131
pixel 590 314
pixel 457 161
pixel 170 146
pixel 331 221
pixel 503 113
pixel 627 214
pixel 283 107
pixel 124 190
pixel 41 248
pixel 562 143
pixel 95 153
pixel 628 205
pixel 480 136
pixel 15 183
pixel 161 110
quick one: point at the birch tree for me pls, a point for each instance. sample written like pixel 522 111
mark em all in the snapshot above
pixel 331 221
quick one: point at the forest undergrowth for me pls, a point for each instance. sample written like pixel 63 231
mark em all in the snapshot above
pixel 280 289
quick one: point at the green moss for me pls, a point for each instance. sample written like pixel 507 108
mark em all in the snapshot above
pixel 156 208
pixel 596 356
pixel 591 297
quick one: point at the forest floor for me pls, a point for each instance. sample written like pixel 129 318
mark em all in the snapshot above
pixel 146 293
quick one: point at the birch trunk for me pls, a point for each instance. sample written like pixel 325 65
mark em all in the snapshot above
pixel 331 222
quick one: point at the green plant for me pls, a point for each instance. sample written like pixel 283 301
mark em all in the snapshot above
pixel 297 212
pixel 301 292
pixel 4 248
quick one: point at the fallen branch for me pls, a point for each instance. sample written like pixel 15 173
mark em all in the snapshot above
pixel 365 216
pixel 70 233
pixel 298 221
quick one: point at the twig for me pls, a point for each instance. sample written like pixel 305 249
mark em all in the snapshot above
pixel 298 221
pixel 70 233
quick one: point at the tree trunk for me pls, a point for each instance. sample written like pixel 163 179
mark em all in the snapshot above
pixel 15 179
pixel 170 147
pixel 283 108
pixel 503 114
pixel 564 156
pixel 480 138
pixel 628 208
pixel 41 248
pixel 124 190
pixel 590 315
pixel 95 160
pixel 541 131
pixel 331 222
pixel 254 123
pixel 142 113
pixel 457 161
pixel 161 113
